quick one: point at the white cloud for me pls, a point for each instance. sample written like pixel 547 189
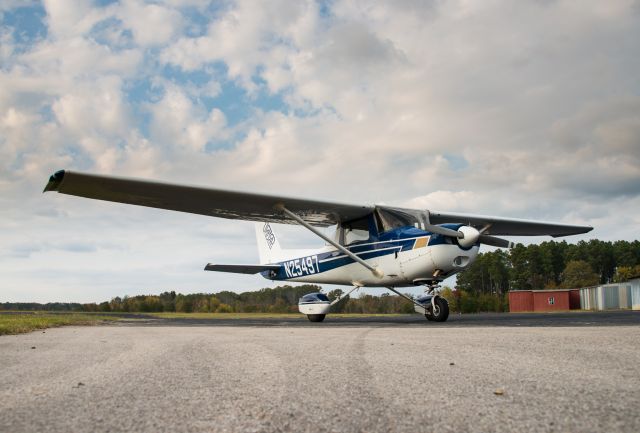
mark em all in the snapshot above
pixel 65 20
pixel 94 108
pixel 77 58
pixel 151 24
pixel 178 122
pixel 245 37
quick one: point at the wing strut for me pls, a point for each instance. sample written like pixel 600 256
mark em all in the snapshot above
pixel 410 299
pixel 356 286
pixel 375 271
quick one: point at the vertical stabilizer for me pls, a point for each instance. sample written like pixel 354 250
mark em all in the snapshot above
pixel 268 245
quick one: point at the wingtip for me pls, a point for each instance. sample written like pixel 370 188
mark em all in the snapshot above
pixel 580 230
pixel 54 181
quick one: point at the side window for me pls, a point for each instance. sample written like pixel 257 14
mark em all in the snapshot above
pixel 356 230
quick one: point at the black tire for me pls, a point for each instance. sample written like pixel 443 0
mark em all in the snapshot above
pixel 441 310
pixel 315 317
pixel 429 316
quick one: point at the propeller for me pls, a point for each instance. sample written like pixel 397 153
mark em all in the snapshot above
pixel 467 236
pixel 496 242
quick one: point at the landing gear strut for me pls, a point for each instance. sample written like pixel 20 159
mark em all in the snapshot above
pixel 434 306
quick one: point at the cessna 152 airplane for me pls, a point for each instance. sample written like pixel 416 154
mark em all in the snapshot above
pixel 372 246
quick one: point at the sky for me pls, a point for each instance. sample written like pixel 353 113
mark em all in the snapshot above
pixel 524 109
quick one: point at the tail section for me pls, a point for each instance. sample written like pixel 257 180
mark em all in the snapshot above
pixel 268 245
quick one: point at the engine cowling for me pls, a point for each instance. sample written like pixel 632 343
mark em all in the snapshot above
pixel 470 236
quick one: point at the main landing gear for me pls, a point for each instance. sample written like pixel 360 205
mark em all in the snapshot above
pixel 434 307
pixel 316 305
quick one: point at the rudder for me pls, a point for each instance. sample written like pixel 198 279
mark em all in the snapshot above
pixel 268 246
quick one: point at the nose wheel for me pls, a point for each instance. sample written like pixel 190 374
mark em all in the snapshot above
pixel 438 311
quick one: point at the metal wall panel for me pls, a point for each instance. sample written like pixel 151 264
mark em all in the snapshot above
pixel 607 297
pixel 550 300
pixel 589 298
pixel 574 299
pixel 610 297
pixel 624 296
pixel 635 298
pixel 520 301
pixel 635 293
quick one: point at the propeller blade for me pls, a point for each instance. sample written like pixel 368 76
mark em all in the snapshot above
pixel 484 239
pixel 443 231
pixel 496 242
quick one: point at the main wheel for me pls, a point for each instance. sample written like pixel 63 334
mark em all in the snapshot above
pixel 440 312
pixel 315 317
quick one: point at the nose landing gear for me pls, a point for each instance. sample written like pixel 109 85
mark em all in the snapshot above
pixel 434 307
pixel 438 311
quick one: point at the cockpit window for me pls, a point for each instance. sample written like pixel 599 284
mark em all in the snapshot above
pixel 390 219
pixel 359 224
pixel 356 230
pixel 314 297
pixel 322 297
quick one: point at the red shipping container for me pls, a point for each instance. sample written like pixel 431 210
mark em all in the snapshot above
pixel 543 300
pixel 574 299
pixel 520 300
pixel 550 300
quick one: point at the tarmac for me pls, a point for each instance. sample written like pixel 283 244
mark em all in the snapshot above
pixel 577 372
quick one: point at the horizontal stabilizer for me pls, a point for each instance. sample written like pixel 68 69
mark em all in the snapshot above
pixel 241 269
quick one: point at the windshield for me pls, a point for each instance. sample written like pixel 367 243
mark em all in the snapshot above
pixel 390 219
pixel 314 297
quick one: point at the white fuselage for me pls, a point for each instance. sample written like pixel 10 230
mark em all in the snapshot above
pixel 400 268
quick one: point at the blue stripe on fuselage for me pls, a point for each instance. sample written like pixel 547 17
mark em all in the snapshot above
pixel 390 242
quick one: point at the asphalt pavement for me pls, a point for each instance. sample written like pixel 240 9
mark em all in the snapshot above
pixel 536 320
pixel 341 375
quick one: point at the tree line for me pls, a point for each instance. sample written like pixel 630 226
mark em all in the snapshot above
pixel 281 299
pixel 551 265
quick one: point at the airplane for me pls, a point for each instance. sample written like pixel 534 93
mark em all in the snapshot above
pixel 371 246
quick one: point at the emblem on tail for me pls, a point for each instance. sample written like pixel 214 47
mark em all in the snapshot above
pixel 268 235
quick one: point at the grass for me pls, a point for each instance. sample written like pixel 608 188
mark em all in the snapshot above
pixel 21 323
pixel 252 315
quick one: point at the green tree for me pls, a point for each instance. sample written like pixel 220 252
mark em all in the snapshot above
pixel 624 273
pixel 579 273
pixel 451 296
pixel 224 308
pixel 340 306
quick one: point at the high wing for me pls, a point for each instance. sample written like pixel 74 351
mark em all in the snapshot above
pixel 203 201
pixel 268 208
pixel 508 226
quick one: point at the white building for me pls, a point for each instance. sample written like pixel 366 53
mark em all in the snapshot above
pixel 615 296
